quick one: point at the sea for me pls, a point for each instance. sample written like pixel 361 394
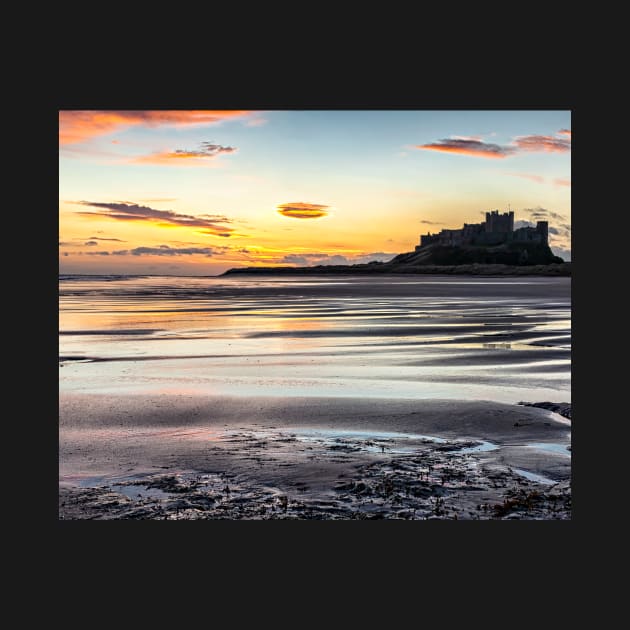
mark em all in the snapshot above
pixel 504 339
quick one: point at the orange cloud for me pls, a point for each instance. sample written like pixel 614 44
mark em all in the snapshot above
pixel 468 146
pixel 561 181
pixel 207 151
pixel 126 211
pixel 478 148
pixel 79 125
pixel 534 178
pixel 256 122
pixel 547 144
pixel 300 210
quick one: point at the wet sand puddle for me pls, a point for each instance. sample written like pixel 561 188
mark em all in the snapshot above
pixel 329 474
pixel 561 449
pixel 533 476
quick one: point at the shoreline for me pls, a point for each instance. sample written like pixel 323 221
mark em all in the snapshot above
pixel 376 269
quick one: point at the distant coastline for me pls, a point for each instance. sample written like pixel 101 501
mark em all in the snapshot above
pixel 475 269
pixel 492 248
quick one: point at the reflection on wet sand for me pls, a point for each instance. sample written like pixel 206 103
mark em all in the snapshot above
pixel 391 336
pixel 388 397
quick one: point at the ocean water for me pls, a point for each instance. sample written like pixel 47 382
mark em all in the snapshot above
pixel 506 339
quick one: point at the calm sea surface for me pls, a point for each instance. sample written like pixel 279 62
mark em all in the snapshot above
pixel 502 339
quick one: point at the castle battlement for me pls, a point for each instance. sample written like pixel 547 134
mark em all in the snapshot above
pixel 495 230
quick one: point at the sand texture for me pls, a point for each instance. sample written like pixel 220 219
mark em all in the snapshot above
pixel 193 457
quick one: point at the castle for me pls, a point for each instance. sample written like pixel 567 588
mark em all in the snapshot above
pixel 497 229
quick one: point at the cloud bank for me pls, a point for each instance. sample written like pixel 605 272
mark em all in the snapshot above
pixel 559 229
pixel 321 258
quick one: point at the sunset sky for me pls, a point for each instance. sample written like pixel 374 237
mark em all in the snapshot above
pixel 198 192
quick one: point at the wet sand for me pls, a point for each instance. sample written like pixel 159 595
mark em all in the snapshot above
pixel 396 337
pixel 221 457
pixel 315 398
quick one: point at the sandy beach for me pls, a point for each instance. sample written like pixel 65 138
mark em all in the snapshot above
pixel 192 457
pixel 350 398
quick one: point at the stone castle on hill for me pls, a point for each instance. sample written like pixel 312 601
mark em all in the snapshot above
pixel 495 230
pixel 493 247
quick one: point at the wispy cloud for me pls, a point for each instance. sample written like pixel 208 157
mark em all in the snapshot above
pixel 470 146
pixel 474 146
pixel 430 222
pixel 161 250
pixel 164 250
pixel 127 211
pixel 539 179
pixel 101 238
pixel 562 181
pixel 534 178
pixel 256 121
pixel 542 214
pixel 547 144
pixel 185 157
pixel 80 125
pixel 301 210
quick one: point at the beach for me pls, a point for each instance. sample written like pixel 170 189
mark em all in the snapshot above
pixel 396 398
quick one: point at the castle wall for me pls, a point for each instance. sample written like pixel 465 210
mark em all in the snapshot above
pixel 427 239
pixel 497 229
pixel 527 235
pixel 491 238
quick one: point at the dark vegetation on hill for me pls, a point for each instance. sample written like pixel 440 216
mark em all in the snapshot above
pixel 506 259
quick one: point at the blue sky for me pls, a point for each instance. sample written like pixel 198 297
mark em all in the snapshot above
pixel 372 177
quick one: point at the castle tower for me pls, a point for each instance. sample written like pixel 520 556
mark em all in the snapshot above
pixel 542 227
pixel 490 220
pixel 496 222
